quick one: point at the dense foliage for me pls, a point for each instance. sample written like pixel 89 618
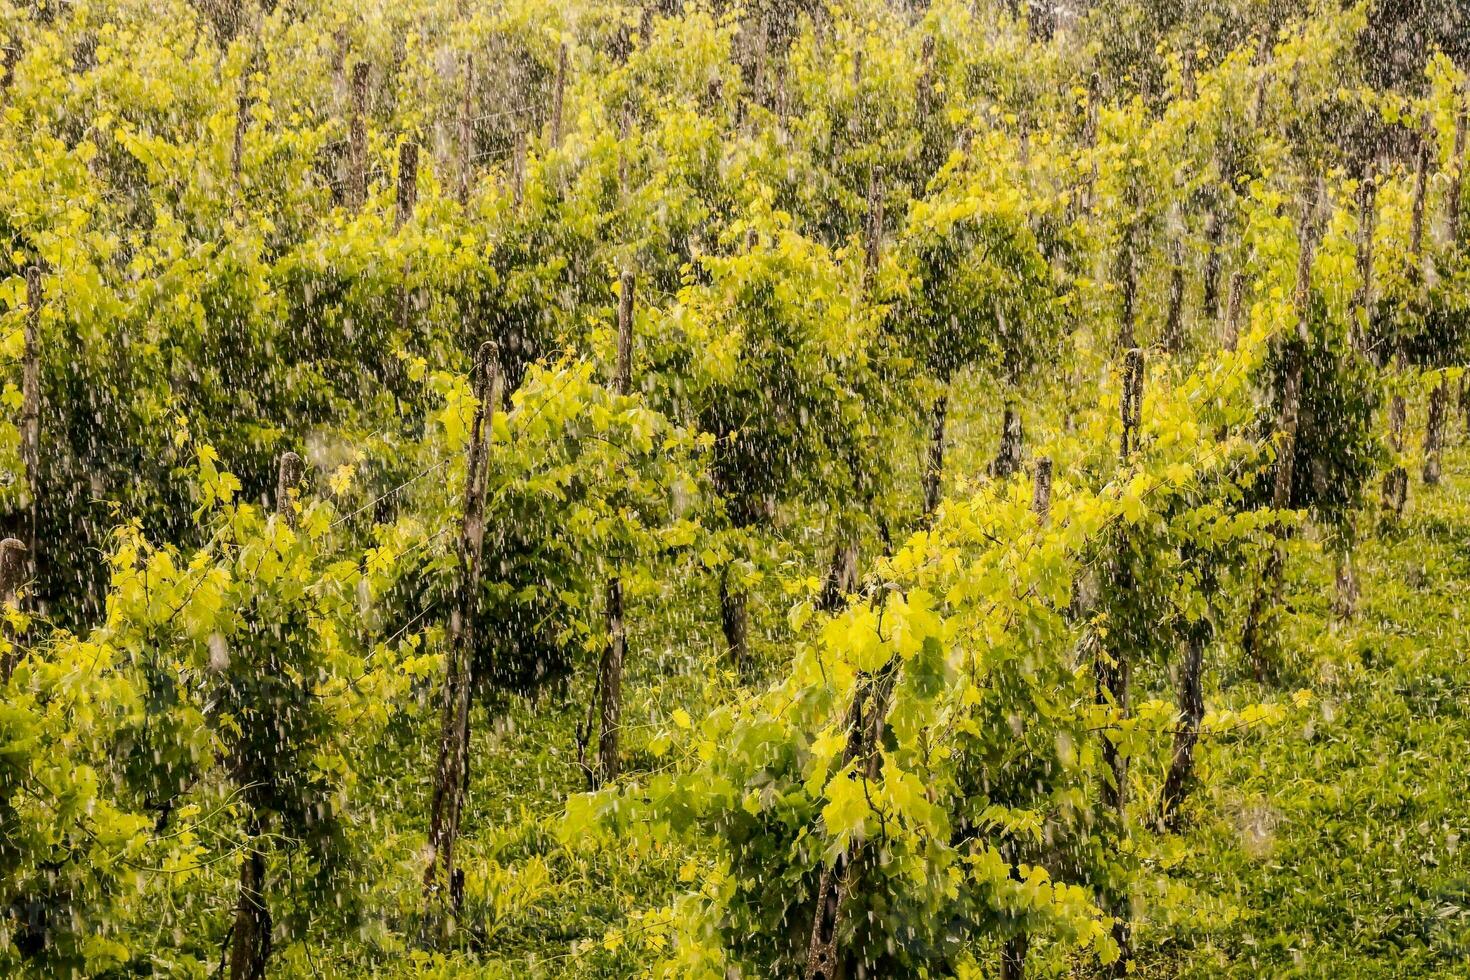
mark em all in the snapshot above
pixel 512 489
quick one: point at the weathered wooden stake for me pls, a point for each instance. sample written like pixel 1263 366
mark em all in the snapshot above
pixel 1421 192
pixel 934 467
pixel 467 132
pixel 843 575
pixel 1263 63
pixel 242 122
pixel 518 171
pixel 13 553
pixel 288 478
pixel 1396 481
pixel 1214 242
pixel 1089 140
pixel 30 408
pixel 1041 497
pixel 1007 460
pixel 441 879
pixel 1232 311
pixel 873 227
pixel 1363 298
pixel 610 670
pixel 1132 402
pixel 357 139
pixel 408 182
pixel 1128 294
pixel 1191 714
pixel 625 132
pixel 1457 178
pixel 559 95
pixel 1174 313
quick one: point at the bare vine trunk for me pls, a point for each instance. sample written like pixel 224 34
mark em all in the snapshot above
pixel 865 720
pixel 251 936
pixel 1434 432
pixel 441 879
pixel 734 619
pixel 1008 458
pixel 934 466
pixel 1396 481
pixel 1191 713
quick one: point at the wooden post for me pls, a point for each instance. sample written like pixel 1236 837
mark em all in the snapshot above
pixel 1089 139
pixel 1132 402
pixel 873 227
pixel 7 68
pixel 734 619
pixel 288 478
pixel 1232 311
pixel 1041 497
pixel 1128 293
pixel 357 139
pixel 467 132
pixel 441 879
pixel 518 171
pixel 1214 241
pixel 408 182
pixel 1439 398
pixel 1363 299
pixel 1396 481
pixel 934 467
pixel 1457 178
pixel 1174 313
pixel 1263 63
pixel 13 553
pixel 30 408
pixel 559 95
pixel 242 122
pixel 1191 713
pixel 610 671
pixel 625 131
pixel 1434 431
pixel 1421 191
pixel 1008 457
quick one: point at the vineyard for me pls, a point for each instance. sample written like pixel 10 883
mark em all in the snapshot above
pixel 734 489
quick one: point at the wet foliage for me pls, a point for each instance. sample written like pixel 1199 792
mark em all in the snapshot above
pixel 724 490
